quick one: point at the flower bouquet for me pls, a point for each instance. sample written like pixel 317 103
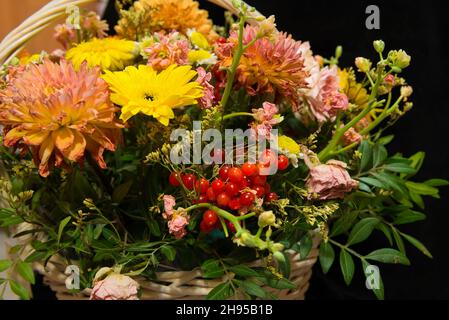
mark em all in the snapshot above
pixel 179 159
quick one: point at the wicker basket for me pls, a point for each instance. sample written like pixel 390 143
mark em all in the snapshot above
pixel 187 285
pixel 178 285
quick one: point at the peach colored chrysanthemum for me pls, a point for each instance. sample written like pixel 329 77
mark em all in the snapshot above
pixel 268 66
pixel 148 16
pixel 165 50
pixel 59 113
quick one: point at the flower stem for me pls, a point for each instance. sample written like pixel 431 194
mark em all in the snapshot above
pixel 237 114
pixel 235 63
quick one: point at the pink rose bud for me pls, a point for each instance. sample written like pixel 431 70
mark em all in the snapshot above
pixel 115 287
pixel 330 181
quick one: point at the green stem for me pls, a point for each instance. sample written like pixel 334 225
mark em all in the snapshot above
pixel 235 63
pixel 387 111
pixel 324 154
pixel 347 249
pixel 237 114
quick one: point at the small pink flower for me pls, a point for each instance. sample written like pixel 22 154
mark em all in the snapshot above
pixel 115 287
pixel 166 50
pixel 177 226
pixel 169 204
pixel 204 78
pixel 351 136
pixel 265 119
pixel 330 181
pixel 324 97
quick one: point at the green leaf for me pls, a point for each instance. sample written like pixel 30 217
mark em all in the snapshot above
pixel 367 151
pixel 385 140
pixel 362 230
pixel 5 265
pixel 212 269
pixel 364 187
pixel 417 161
pixel 373 182
pixel 344 223
pixel 380 154
pixel 284 264
pixel 19 290
pixel 386 231
pixel 243 271
pixel 416 198
pixel 26 271
pixel 421 188
pixel 62 226
pixel 347 266
pixel 169 252
pixel 399 168
pixel 417 244
pixel 391 181
pixel 437 183
pixel 273 281
pixel 409 216
pixel 388 255
pixel 398 240
pixel 38 256
pixel 252 288
pixel 154 227
pixel 379 291
pixel 327 256
pixel 221 292
pixel 121 191
pixel 305 246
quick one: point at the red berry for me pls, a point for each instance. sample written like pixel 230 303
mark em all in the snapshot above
pixel 231 227
pixel 211 196
pixel 247 199
pixel 282 162
pixel 223 199
pixel 235 175
pixel 210 218
pixel 218 186
pixel 232 189
pixel 204 227
pixel 175 179
pixel 234 204
pixel 223 173
pixel 271 197
pixel 249 169
pixel 244 183
pixel 260 191
pixel 259 180
pixel 203 199
pixel 202 185
pixel 189 180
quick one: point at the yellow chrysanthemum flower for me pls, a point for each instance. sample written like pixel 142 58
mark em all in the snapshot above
pixel 109 54
pixel 355 92
pixel 288 144
pixel 143 90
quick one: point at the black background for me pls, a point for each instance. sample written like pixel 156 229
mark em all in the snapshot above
pixel 420 28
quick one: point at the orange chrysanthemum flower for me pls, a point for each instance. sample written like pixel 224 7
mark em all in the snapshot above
pixel 148 16
pixel 59 113
pixel 268 66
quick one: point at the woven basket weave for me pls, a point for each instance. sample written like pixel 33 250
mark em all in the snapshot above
pixel 178 285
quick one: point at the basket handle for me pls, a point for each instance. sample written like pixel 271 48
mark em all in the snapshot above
pixel 15 41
